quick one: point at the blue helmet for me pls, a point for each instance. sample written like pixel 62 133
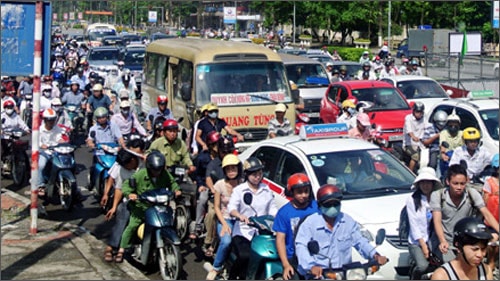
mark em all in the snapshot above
pixel 494 161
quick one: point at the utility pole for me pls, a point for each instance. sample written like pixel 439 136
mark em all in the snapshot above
pixel 389 27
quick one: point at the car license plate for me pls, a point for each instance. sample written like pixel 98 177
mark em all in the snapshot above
pixel 312 114
pixel 396 138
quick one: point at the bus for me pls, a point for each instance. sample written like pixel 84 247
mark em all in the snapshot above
pixel 94 33
pixel 246 81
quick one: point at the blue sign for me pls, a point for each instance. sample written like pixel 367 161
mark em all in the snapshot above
pixel 323 130
pixel 496 23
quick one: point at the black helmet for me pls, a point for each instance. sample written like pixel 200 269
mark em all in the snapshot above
pixel 252 164
pixel 126 78
pixel 335 71
pixel 367 63
pixel 388 63
pixel 155 161
pixel 225 144
pixel 419 106
pixel 469 230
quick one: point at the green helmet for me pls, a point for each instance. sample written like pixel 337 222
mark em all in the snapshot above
pixel 100 112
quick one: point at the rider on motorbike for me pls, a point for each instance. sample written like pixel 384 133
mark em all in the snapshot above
pixel 330 224
pixel 62 116
pixel 105 131
pixel 161 110
pixel 46 97
pixel 127 122
pixel 152 177
pixel 262 204
pixel 10 121
pixel 74 96
pixel 431 136
pixel 280 125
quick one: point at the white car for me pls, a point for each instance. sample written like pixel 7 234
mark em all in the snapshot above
pixel 419 88
pixel 481 113
pixel 375 184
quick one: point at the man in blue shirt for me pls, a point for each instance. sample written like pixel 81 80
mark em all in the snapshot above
pixel 105 130
pixel 289 217
pixel 336 233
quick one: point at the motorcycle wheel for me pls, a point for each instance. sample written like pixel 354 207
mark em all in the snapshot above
pixel 27 117
pixel 20 168
pixel 182 219
pixel 68 194
pixel 169 261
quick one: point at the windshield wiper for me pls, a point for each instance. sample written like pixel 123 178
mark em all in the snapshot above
pixel 263 98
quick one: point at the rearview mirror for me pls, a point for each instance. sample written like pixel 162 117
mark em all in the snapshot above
pixel 379 239
pixel 313 247
pixel 92 134
pixel 247 198
pixel 132 182
pixel 186 92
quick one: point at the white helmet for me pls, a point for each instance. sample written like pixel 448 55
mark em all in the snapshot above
pixel 453 117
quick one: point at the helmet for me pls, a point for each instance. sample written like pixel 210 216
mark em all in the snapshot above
pixel 414 62
pixel 348 103
pixel 170 124
pixel 468 230
pixel 124 103
pixel 296 180
pixel 343 67
pixel 367 63
pixel 252 164
pixel 158 124
pixel 126 78
pixel 79 69
pixel 388 63
pixel 494 161
pixel 225 144
pixel 471 133
pixel 212 106
pixel 405 60
pixel 440 118
pixel 46 88
pixel 335 71
pixel 377 57
pixel 75 81
pixel 8 103
pixel 120 63
pixel 213 137
pixel 49 114
pixel 100 112
pixel 229 160
pixel 453 117
pixel 161 99
pixel 419 106
pixel 97 87
pixel 204 107
pixel 56 101
pixel 155 161
pixel 280 108
pixel 327 192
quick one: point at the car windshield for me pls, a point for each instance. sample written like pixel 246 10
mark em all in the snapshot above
pixel 362 173
pixel 108 55
pixel 490 119
pixel 380 99
pixel 352 69
pixel 307 75
pixel 135 57
pixel 421 89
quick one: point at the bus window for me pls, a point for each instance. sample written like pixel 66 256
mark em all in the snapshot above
pixel 183 74
pixel 161 72
pixel 152 64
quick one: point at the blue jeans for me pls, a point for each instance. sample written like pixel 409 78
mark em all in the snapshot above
pixel 43 158
pixel 121 219
pixel 224 245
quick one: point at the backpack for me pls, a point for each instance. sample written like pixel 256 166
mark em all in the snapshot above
pixel 404 226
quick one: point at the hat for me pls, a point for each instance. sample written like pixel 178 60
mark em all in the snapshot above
pixel 366 53
pixel 363 119
pixel 427 173
pixel 329 64
pixel 280 108
pixel 124 103
pixel 124 94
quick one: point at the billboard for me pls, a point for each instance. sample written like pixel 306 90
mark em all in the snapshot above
pixel 152 16
pixel 18 37
pixel 496 14
pixel 230 15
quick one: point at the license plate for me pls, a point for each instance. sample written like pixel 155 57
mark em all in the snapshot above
pixel 180 171
pixel 395 138
pixel 312 114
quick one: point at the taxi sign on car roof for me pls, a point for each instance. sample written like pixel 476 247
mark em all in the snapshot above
pixel 481 94
pixel 323 131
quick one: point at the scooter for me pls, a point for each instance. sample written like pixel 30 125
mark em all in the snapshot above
pixel 350 271
pixel 27 109
pixel 104 158
pixel 156 240
pixel 59 174
pixel 75 114
pixel 264 262
pixel 301 119
pixel 15 161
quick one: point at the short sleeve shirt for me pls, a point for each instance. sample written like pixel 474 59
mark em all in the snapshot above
pixel 412 125
pixel 454 142
pixel 103 101
pixel 221 187
pixel 206 126
pixel 109 134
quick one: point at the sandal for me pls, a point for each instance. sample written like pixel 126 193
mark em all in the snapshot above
pixel 108 254
pixel 119 257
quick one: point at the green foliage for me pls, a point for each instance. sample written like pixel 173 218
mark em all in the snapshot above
pixel 78 26
pixel 347 53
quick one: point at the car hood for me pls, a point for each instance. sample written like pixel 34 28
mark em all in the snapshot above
pixel 390 119
pixel 312 92
pixel 377 212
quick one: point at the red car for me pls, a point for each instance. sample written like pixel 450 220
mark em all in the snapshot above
pixel 385 104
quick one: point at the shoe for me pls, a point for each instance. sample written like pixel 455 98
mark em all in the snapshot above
pixel 108 254
pixel 196 232
pixel 212 274
pixel 119 257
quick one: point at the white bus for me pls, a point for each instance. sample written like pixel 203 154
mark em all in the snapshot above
pixel 94 33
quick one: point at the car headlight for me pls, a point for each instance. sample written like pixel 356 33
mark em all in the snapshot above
pixel 356 274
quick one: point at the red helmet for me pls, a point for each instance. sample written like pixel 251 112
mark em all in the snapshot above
pixel 8 103
pixel 170 124
pixel 161 99
pixel 327 192
pixel 213 137
pixel 297 180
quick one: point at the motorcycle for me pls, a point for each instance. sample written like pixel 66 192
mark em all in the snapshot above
pixel 58 75
pixel 15 161
pixel 104 158
pixel 185 204
pixel 27 109
pixel 301 119
pixel 264 262
pixel 77 119
pixel 156 239
pixel 350 271
pixel 59 174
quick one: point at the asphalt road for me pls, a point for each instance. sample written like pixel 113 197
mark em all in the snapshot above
pixel 90 216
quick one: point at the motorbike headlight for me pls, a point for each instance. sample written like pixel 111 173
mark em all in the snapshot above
pixel 18 134
pixel 356 274
pixel 64 149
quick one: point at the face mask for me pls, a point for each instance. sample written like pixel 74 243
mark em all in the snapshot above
pixel 57 108
pixel 212 115
pixel 9 111
pixel 46 94
pixel 351 110
pixel 453 129
pixel 125 112
pixel 331 212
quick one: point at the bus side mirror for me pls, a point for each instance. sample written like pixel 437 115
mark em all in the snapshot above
pixel 186 92
pixel 296 95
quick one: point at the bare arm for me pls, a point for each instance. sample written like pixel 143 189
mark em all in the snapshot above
pixel 232 132
pixel 288 270
pixel 438 228
pixel 490 219
pixel 200 141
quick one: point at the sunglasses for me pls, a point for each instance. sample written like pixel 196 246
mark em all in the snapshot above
pixel 330 203
pixel 162 103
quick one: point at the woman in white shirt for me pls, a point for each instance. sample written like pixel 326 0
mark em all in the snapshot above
pixel 419 217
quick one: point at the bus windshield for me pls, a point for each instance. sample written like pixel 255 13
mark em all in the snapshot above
pixel 239 83
pixel 98 34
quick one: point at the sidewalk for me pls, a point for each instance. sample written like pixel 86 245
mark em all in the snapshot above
pixel 59 251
